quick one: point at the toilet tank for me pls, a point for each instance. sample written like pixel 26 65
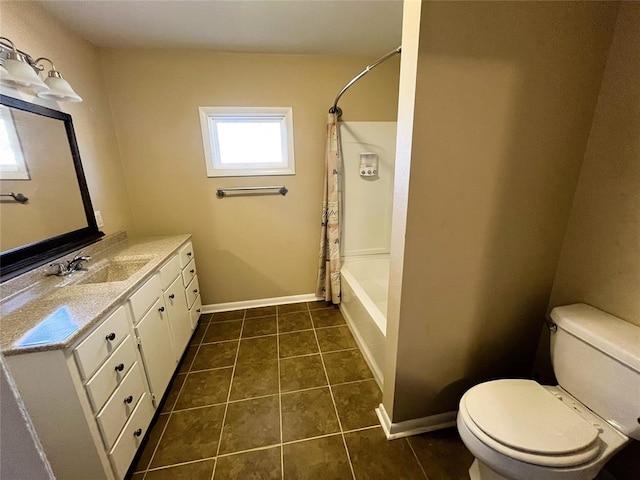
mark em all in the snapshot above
pixel 596 358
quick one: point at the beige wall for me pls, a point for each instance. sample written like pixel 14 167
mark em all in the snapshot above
pixel 249 247
pixel 600 260
pixel 38 33
pixel 505 96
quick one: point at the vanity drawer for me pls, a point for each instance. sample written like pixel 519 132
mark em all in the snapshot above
pixel 189 272
pixel 144 297
pixel 192 291
pixel 131 437
pixel 102 342
pixel 107 378
pixel 119 407
pixel 186 254
pixel 169 272
pixel 195 311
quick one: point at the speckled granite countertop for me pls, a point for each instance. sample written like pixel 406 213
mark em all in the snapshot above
pixel 39 312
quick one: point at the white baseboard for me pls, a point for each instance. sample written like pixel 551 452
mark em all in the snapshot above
pixel 414 426
pixel 263 302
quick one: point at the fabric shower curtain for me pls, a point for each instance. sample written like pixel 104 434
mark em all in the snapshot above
pixel 328 285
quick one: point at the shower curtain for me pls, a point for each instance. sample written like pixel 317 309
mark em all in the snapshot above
pixel 328 285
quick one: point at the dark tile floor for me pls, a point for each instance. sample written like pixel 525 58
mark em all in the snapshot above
pixel 283 393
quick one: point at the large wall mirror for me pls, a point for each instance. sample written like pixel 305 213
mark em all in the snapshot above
pixel 45 209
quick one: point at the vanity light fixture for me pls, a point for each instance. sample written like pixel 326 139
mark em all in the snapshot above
pixel 59 88
pixel 19 68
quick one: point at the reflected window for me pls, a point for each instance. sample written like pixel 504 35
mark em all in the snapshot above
pixel 12 164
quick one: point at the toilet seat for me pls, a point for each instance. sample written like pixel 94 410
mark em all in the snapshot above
pixel 523 420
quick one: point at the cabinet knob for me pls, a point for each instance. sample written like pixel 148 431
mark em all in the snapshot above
pixel 195 290
pixel 198 310
pixel 189 254
pixel 161 309
pixel 137 433
pixel 129 399
pixel 172 296
pixel 111 337
pixel 192 271
pixel 119 367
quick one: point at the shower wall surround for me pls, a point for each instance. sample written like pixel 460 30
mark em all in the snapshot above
pixel 367 199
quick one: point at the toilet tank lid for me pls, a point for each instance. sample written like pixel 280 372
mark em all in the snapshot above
pixel 611 335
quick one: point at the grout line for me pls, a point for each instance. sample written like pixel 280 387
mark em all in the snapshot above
pixel 330 435
pixel 324 386
pixel 207 369
pixel 237 339
pixel 331 326
pixel 198 407
pixel 362 429
pixel 223 322
pixel 259 336
pixel 333 400
pixel 319 352
pixel 256 449
pixel 296 331
pixel 226 406
pixel 305 389
pixel 317 437
pixel 417 459
pixel 180 464
pixel 279 397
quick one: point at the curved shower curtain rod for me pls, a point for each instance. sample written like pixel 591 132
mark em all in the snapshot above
pixel 368 68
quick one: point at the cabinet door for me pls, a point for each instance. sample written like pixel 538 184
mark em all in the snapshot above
pixel 155 341
pixel 179 317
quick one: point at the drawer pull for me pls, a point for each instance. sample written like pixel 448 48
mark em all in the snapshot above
pixel 195 290
pixel 129 399
pixel 137 433
pixel 120 367
pixel 192 271
pixel 161 309
pixel 189 254
pixel 172 296
pixel 111 337
pixel 198 310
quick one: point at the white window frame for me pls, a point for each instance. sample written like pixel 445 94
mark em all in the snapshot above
pixel 283 115
pixel 17 169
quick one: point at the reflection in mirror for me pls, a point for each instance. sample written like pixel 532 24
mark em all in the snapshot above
pixel 45 210
pixel 38 164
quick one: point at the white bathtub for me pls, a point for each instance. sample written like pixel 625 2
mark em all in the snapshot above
pixel 365 289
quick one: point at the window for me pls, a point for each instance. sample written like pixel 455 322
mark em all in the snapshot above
pixel 246 141
pixel 12 164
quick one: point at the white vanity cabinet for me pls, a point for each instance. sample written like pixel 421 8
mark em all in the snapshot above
pixel 190 282
pixel 154 339
pixel 176 304
pixel 179 319
pixel 92 402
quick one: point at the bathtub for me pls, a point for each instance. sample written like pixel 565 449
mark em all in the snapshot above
pixel 365 289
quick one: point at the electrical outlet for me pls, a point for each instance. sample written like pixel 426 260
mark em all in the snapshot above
pixel 98 216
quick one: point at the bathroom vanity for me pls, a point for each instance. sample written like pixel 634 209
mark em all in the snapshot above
pixel 92 353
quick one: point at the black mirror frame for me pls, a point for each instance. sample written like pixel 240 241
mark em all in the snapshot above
pixel 22 259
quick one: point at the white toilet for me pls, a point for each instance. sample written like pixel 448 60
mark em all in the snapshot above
pixel 521 430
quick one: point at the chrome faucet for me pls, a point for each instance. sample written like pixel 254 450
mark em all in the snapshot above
pixel 70 266
pixel 76 263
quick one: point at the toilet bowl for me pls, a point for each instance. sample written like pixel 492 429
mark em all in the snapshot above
pixel 521 430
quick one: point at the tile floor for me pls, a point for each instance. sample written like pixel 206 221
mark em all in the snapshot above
pixel 283 393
